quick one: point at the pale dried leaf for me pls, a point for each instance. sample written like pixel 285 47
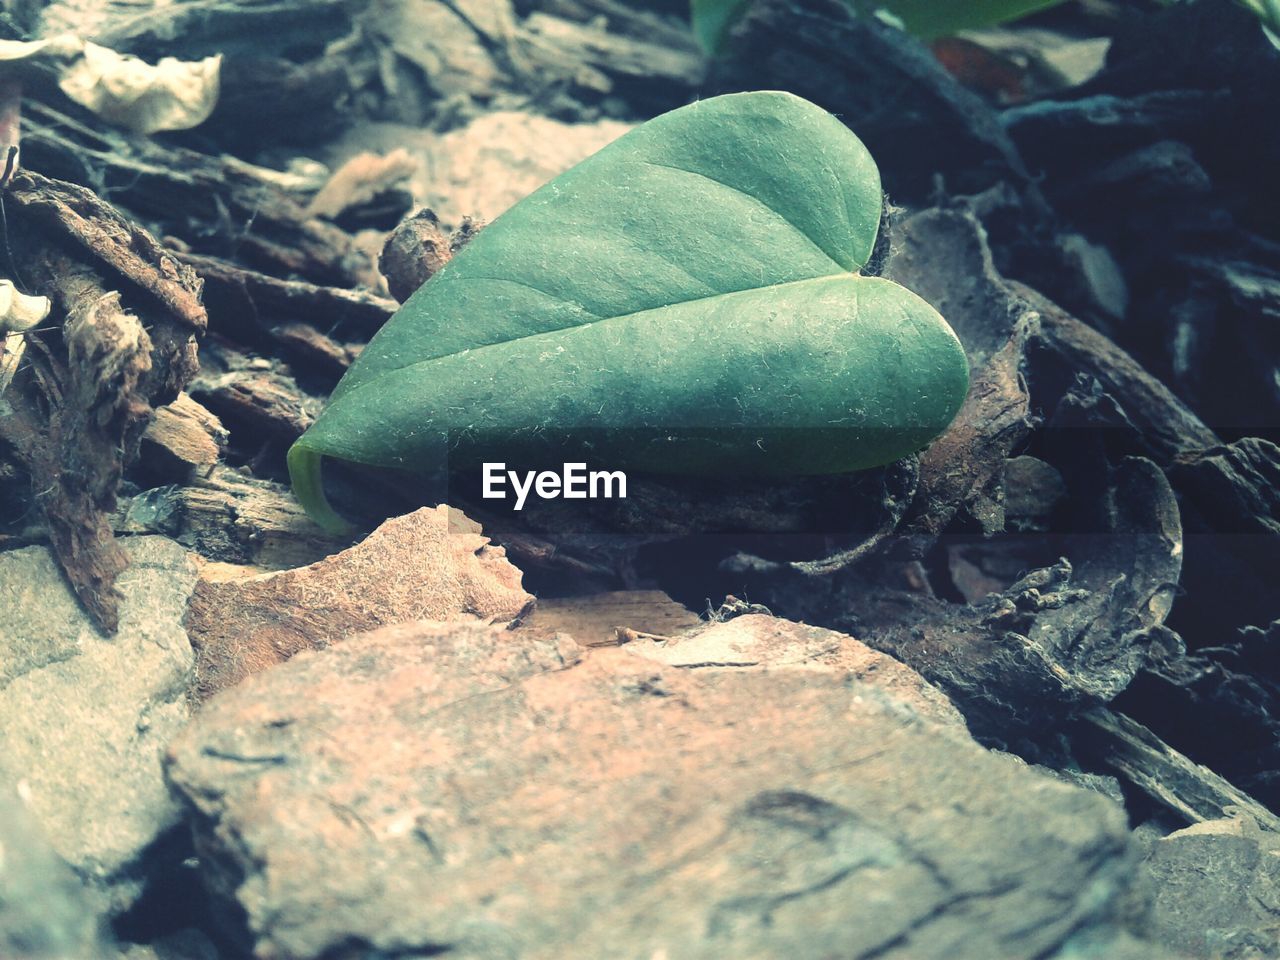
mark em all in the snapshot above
pixel 121 88
pixel 61 46
pixel 18 311
pixel 124 90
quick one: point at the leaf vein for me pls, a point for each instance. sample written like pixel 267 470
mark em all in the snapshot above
pixel 842 273
pixel 559 298
pixel 738 190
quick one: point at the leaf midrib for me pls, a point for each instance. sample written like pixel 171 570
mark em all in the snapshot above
pixel 580 326
pixel 778 215
pixel 840 270
pixel 799 231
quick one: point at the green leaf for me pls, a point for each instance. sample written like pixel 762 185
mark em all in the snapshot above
pixel 712 19
pixel 687 300
pixel 926 19
pixel 1268 11
pixel 931 19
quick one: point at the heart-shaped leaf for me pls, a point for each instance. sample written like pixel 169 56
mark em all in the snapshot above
pixel 687 300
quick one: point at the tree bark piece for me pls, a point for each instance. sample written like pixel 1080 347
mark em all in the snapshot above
pixel 708 812
pixel 132 314
pixel 101 414
pixel 245 303
pixel 1186 789
pixel 1167 428
pixel 216 205
pixel 445 570
pixel 108 237
pixel 185 434
pixel 231 517
pixel 885 84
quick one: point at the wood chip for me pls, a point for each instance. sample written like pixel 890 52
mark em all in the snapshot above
pixel 608 619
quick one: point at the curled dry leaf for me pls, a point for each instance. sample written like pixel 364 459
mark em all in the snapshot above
pixel 120 88
pixel 1062 637
pixel 172 95
pixel 60 47
pixel 943 255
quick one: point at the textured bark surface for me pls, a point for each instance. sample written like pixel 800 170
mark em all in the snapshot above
pixel 443 570
pixel 426 785
pixel 130 315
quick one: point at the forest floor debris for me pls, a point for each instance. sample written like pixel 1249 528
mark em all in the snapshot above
pixel 1081 572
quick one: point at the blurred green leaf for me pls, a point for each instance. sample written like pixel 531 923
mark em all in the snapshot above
pixel 1268 11
pixel 931 19
pixel 927 19
pixel 712 19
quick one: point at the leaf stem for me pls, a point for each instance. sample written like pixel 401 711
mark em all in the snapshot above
pixel 308 486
